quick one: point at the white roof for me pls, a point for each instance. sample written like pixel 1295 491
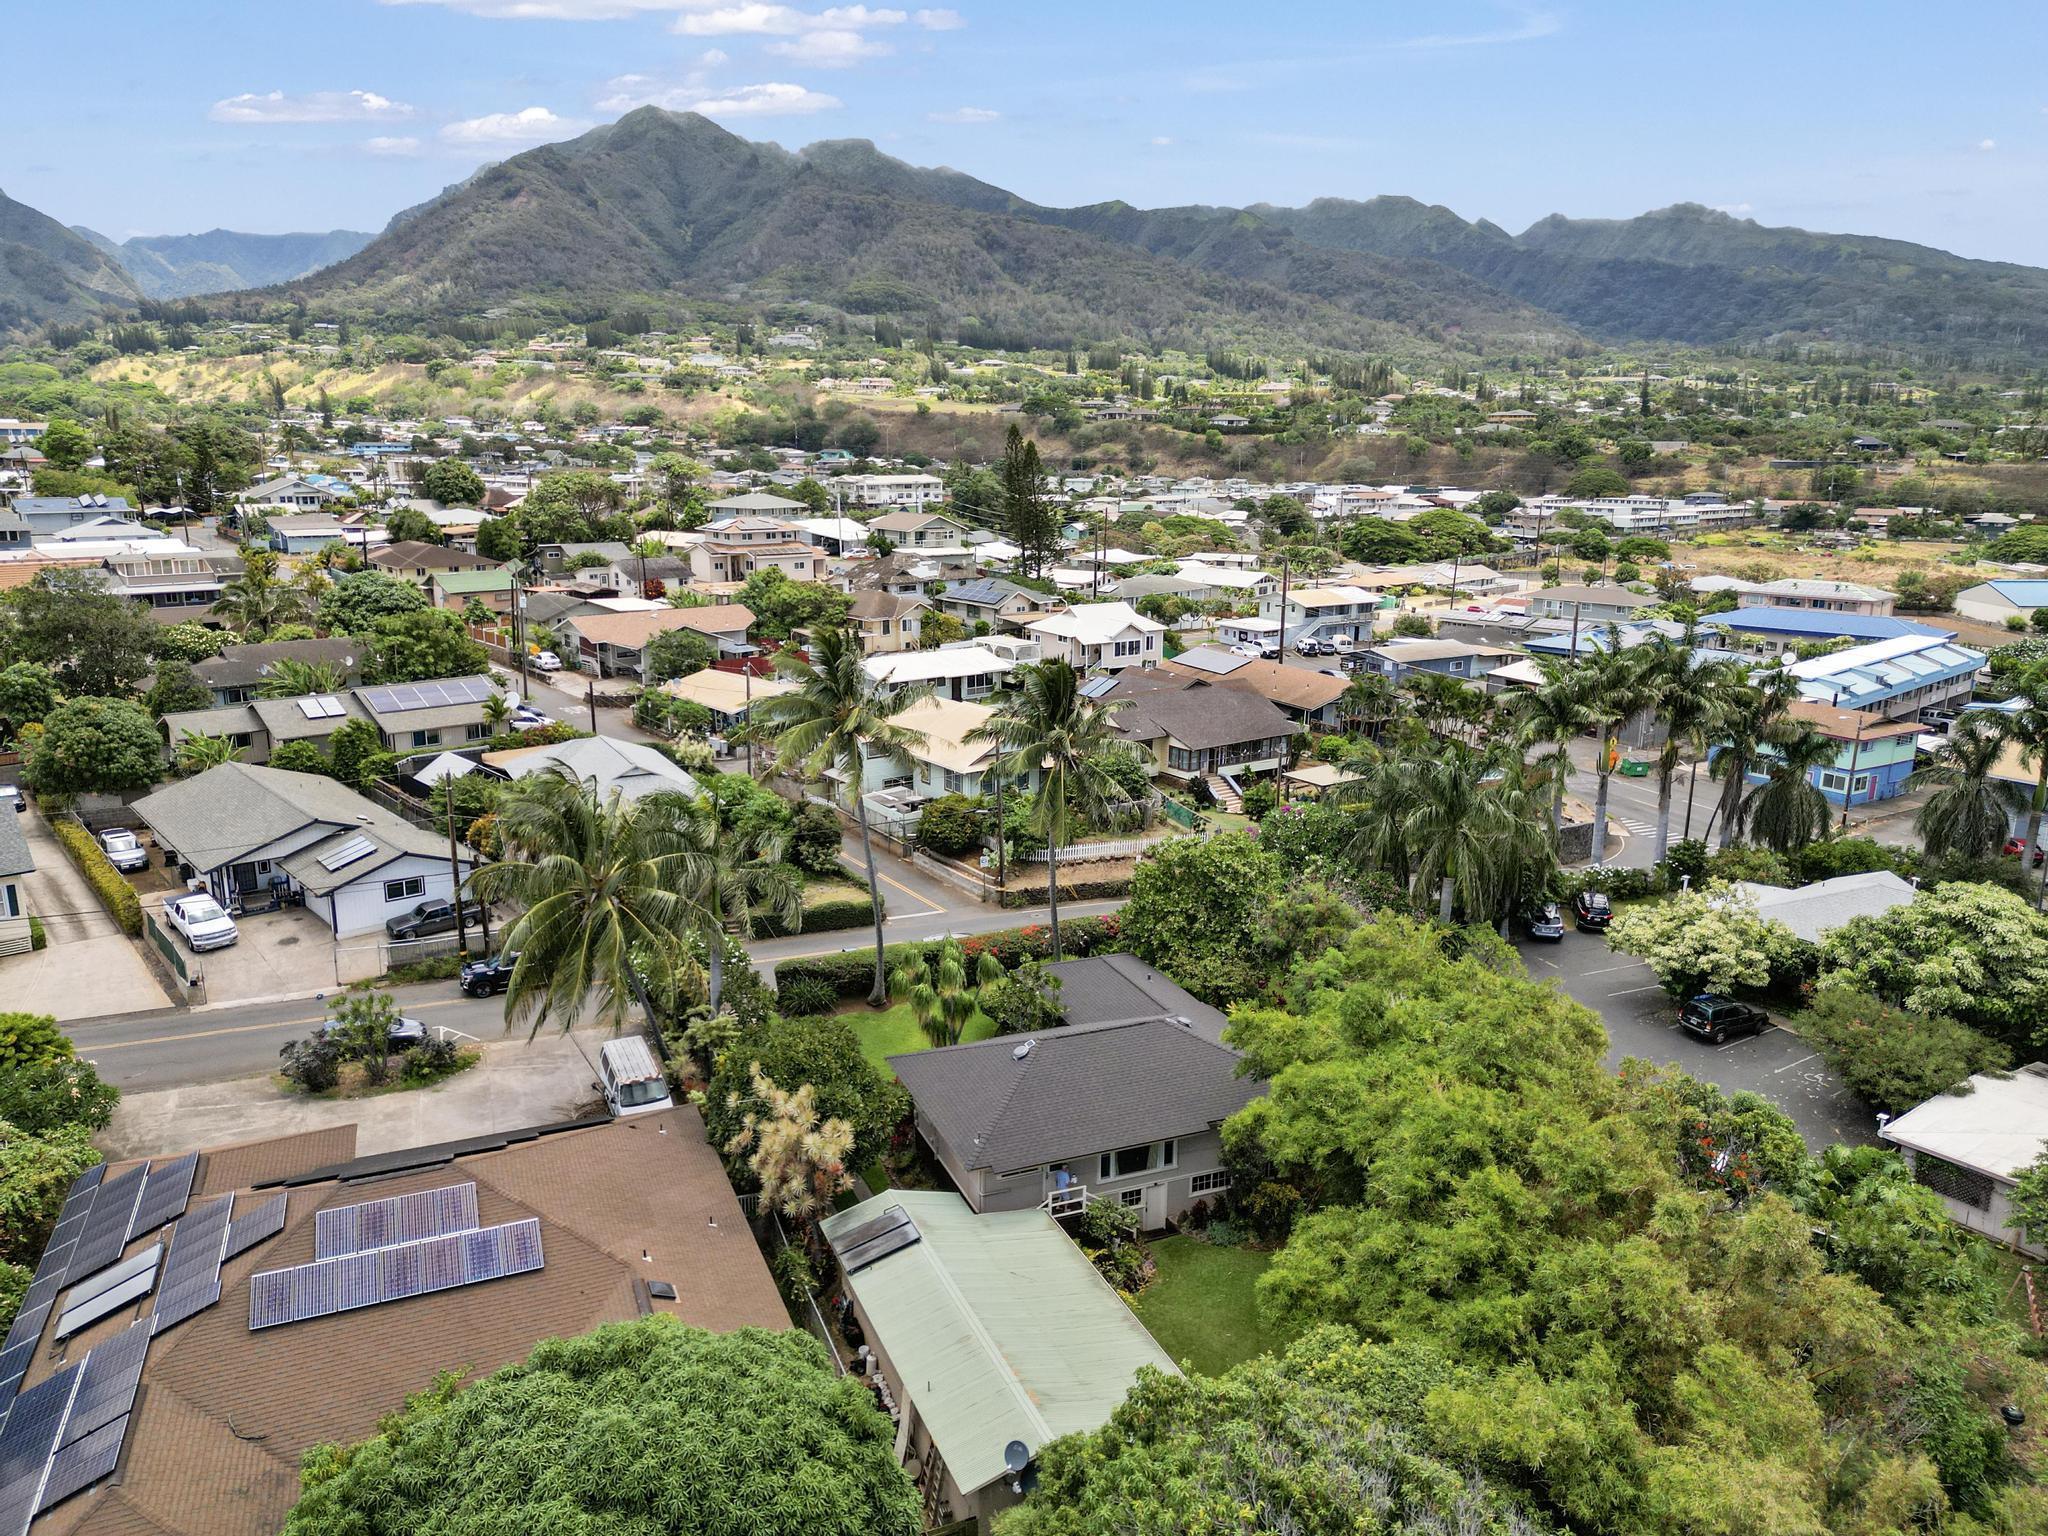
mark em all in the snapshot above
pixel 1814 911
pixel 948 661
pixel 1998 1127
pixel 1878 651
pixel 997 549
pixel 1325 597
pixel 832 527
pixel 1093 623
pixel 1222 575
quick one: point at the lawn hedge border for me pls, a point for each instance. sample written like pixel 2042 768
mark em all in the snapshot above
pixel 825 917
pixel 1071 890
pixel 115 893
pixel 850 973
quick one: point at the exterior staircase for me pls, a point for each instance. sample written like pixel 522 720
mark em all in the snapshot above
pixel 1227 799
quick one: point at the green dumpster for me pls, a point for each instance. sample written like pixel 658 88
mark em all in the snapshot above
pixel 1635 768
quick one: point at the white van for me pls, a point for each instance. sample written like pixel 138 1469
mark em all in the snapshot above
pixel 630 1079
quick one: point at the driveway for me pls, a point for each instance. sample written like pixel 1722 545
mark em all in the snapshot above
pixel 91 969
pixel 1641 1022
pixel 517 1084
pixel 287 953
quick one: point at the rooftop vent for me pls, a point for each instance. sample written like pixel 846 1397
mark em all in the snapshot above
pixel 1023 1050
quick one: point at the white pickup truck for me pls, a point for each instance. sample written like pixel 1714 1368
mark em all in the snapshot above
pixel 199 917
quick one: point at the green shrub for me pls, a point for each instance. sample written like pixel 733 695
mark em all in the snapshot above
pixel 1894 1058
pixel 814 840
pixel 114 893
pixel 433 1059
pixel 1619 884
pixel 312 1064
pixel 438 968
pixel 851 973
pixel 1834 856
pixel 38 935
pixel 1023 1001
pixel 794 1276
pixel 803 996
pixel 825 917
pixel 29 1039
pixel 950 826
pixel 1071 890
pixel 46 1095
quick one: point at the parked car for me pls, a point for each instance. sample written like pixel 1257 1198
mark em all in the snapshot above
pixel 630 1079
pixel 200 919
pixel 1245 648
pixel 1592 911
pixel 486 978
pixel 1544 922
pixel 123 849
pixel 546 661
pixel 403 1032
pixel 435 916
pixel 9 794
pixel 2015 846
pixel 527 718
pixel 1308 645
pixel 1710 1016
pixel 1339 645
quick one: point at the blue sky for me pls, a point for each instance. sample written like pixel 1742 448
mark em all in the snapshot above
pixel 135 116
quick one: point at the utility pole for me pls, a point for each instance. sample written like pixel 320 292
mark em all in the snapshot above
pixel 1283 604
pixel 1855 755
pixel 455 864
pixel 519 628
pixel 747 716
pixel 590 697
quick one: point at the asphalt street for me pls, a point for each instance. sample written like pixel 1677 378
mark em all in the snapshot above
pixel 1642 1022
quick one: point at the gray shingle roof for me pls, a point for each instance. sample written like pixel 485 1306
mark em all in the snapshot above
pixel 1199 716
pixel 1080 1089
pixel 15 859
pixel 1106 989
pixel 223 814
pixel 245 666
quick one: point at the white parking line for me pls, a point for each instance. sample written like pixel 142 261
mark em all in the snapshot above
pixel 1632 991
pixel 1802 1061
pixel 1603 970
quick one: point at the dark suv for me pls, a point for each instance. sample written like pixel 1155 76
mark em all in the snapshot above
pixel 435 916
pixel 1714 1017
pixel 1592 911
pixel 485 978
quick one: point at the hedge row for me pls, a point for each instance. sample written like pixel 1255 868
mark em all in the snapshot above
pixel 825 917
pixel 851 973
pixel 115 893
pixel 1070 890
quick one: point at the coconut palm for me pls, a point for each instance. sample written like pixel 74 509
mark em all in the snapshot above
pixel 1383 790
pixel 832 719
pixel 1554 715
pixel 2027 727
pixel 294 679
pixel 1616 687
pixel 1440 699
pixel 198 752
pixel 1970 810
pixel 1689 695
pixel 1526 854
pixel 256 602
pixel 1048 726
pixel 602 882
pixel 1366 700
pixel 1787 811
pixel 1457 826
pixel 739 876
pixel 497 710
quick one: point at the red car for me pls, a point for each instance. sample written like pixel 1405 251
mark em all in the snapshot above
pixel 2014 846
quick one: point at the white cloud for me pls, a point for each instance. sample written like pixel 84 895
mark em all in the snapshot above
pixel 529 125
pixel 550 10
pixel 1532 25
pixel 399 147
pixel 833 48
pixel 1987 144
pixel 712 58
pixel 859 16
pixel 1734 210
pixel 1160 141
pixel 772 99
pixel 312 107
pixel 733 20
pixel 943 20
pixel 965 115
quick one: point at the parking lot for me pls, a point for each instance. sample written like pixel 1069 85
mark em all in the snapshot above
pixel 1642 1022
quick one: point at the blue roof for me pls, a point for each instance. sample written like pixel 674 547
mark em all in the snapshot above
pixel 1818 622
pixel 2025 594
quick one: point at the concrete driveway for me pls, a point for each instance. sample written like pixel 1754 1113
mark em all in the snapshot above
pixel 1642 1022
pixel 90 968
pixel 287 953
pixel 517 1084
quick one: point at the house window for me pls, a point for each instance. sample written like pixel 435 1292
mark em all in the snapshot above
pixel 1129 647
pixel 1131 1198
pixel 478 732
pixel 953 782
pixel 408 889
pixel 1208 1183
pixel 10 901
pixel 1127 1162
pixel 1952 1181
pixel 424 738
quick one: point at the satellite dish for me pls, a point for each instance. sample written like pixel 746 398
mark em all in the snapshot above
pixel 1016 1456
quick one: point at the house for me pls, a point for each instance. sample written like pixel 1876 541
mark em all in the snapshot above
pixel 729 696
pixel 1817 596
pixel 839 537
pixel 176 582
pixel 1189 729
pixel 1902 679
pixel 717 559
pixel 1127 1110
pixel 908 572
pixel 915 492
pixel 1206 583
pixel 1099 637
pixel 600 563
pixel 50 516
pixel 260 726
pixel 238 673
pixel 630 768
pixel 947 761
pixel 920 530
pixel 443 712
pixel 884 622
pixel 988 1335
pixel 1873 758
pixel 1774 631
pixel 1116 989
pixel 75 536
pixel 1814 911
pixel 491 585
pixel 964 670
pixel 1587 605
pixel 1993 602
pixel 1000 604
pixel 1970 1147
pixel 15 863
pixel 615 644
pixel 756 504
pixel 418 561
pixel 208 1385
pixel 1305 696
pixel 15 535
pixel 1399 659
pixel 310 535
pixel 1322 613
pixel 293 491
pixel 245 829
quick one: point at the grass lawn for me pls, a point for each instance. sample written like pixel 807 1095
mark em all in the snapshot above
pixel 1200 1307
pixel 894 1032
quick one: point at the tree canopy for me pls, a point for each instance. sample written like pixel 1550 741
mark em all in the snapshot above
pixel 91 744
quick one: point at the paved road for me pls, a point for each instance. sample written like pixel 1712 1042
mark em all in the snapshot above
pixel 1642 1022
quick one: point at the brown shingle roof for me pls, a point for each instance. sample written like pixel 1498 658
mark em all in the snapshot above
pixel 214 1443
pixel 281 1157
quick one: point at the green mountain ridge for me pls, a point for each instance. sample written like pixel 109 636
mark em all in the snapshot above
pixel 223 260
pixel 47 273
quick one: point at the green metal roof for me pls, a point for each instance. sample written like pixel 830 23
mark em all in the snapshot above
pixel 473 581
pixel 998 1327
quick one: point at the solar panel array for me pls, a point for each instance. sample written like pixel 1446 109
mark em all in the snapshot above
pixel 250 1228
pixel 322 706
pixel 347 853
pixel 365 1279
pixel 398 1219
pixel 65 1432
pixel 888 1233
pixel 19 1347
pixel 105 1232
pixel 164 1195
pixel 191 1280
pixel 398 698
pixel 107 1292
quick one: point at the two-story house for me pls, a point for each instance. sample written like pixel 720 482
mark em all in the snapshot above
pixel 1399 659
pixel 915 492
pixel 49 516
pixel 1099 637
pixel 920 530
pixel 417 561
pixel 175 581
pixel 1587 605
pixel 884 622
pixel 1000 604
pixel 1188 729
pixel 717 560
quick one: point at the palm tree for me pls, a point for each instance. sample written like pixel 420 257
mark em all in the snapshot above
pixel 1456 824
pixel 1047 725
pixel 1366 700
pixel 1439 699
pixel 739 876
pixel 497 710
pixel 831 720
pixel 1379 839
pixel 1970 810
pixel 600 879
pixel 255 603
pixel 197 753
pixel 1787 811
pixel 1526 854
pixel 1615 690
pixel 1689 696
pixel 2027 727
pixel 293 679
pixel 941 994
pixel 1555 715
pixel 1752 718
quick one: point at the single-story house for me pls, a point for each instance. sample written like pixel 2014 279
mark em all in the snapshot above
pixel 261 726
pixel 1126 1110
pixel 988 1335
pixel 1000 604
pixel 1814 911
pixel 1971 1147
pixel 919 530
pixel 416 560
pixel 1099 637
pixel 243 829
pixel 1191 729
pixel 15 862
pixel 200 1367
pixel 965 670
pixel 238 673
pixel 615 644
pixel 1993 602
pixel 1304 694
pixel 1399 659
pixel 457 589
pixel 309 535
pixel 632 768
pixel 441 712
pixel 51 516
pixel 296 491
pixel 727 695
pixel 836 537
